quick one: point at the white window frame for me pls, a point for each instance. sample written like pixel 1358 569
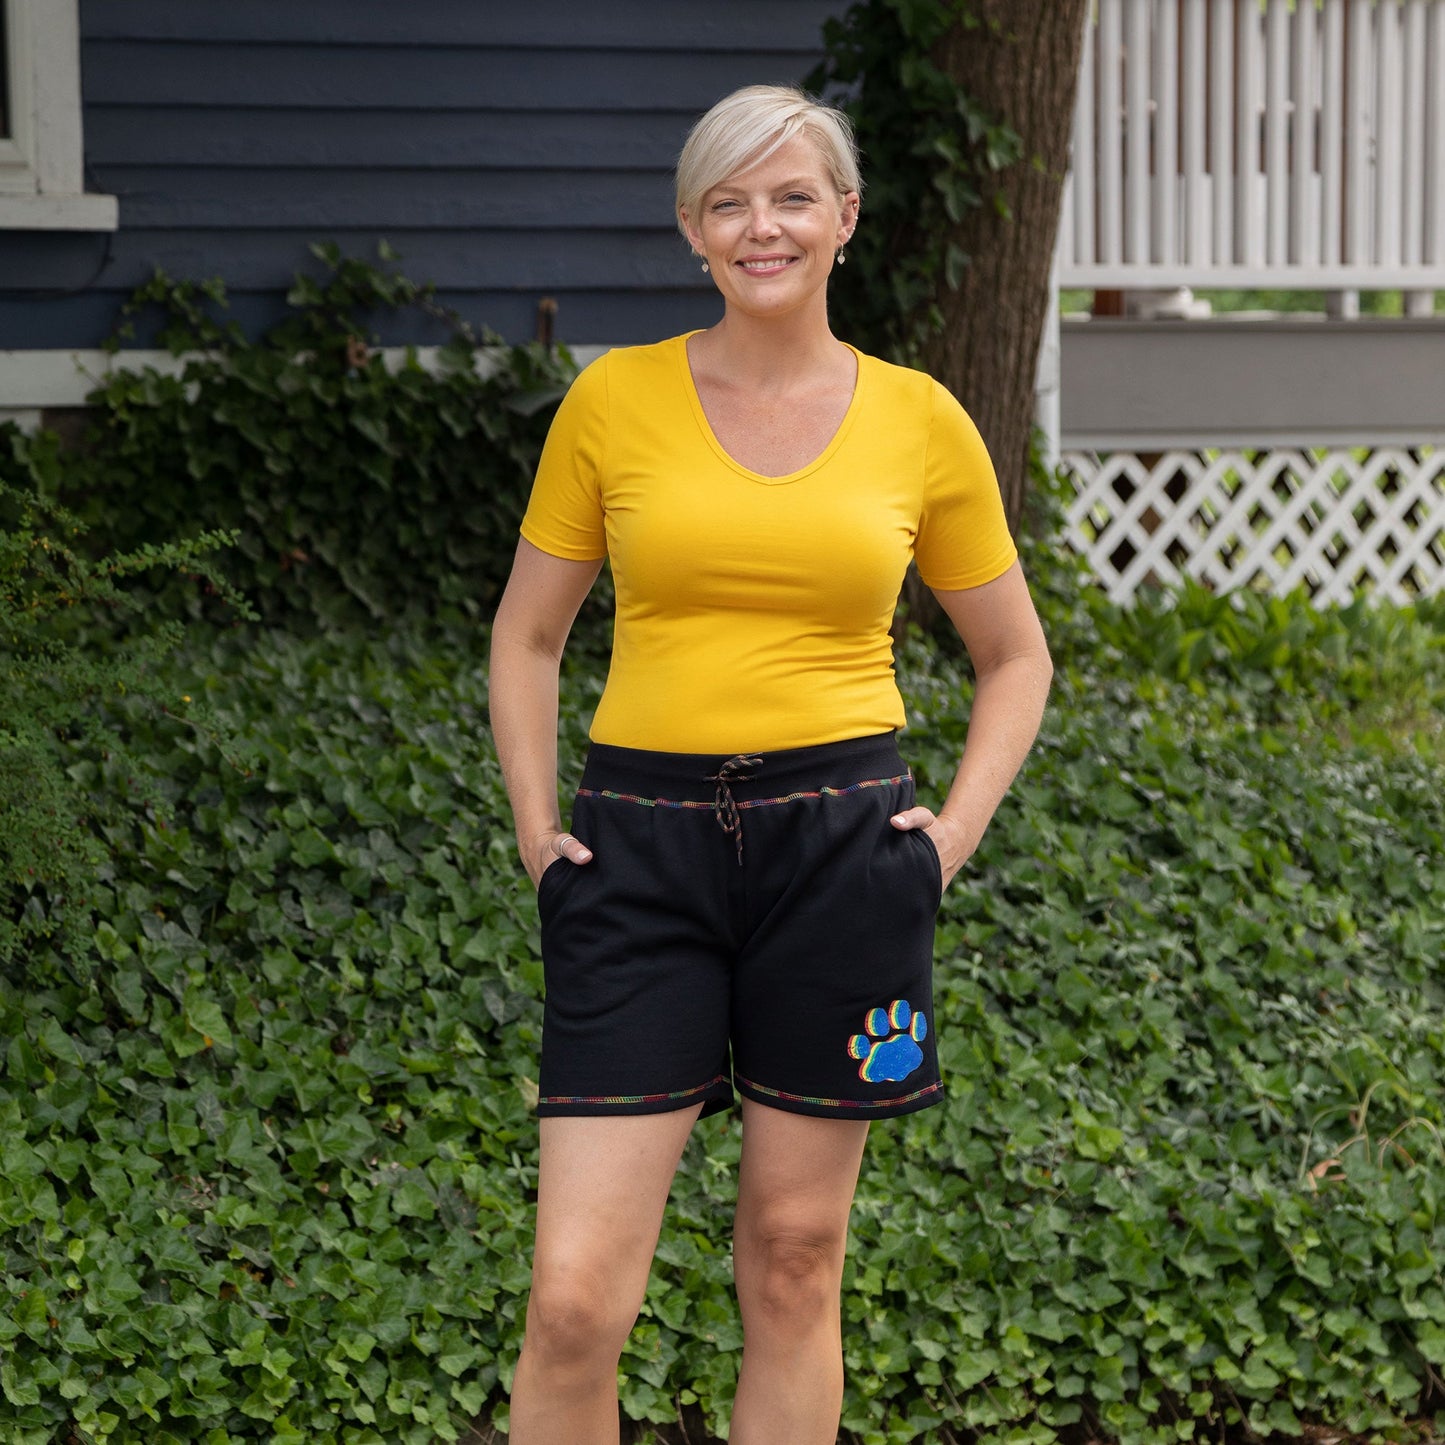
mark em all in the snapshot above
pixel 42 169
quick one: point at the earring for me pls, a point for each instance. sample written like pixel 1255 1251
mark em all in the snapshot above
pixel 704 268
pixel 842 256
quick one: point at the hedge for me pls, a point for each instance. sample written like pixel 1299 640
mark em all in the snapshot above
pixel 267 1155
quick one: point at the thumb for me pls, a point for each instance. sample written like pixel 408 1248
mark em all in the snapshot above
pixel 912 818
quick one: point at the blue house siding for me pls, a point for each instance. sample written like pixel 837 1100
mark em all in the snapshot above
pixel 508 150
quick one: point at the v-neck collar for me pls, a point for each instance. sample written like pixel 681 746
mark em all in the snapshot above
pixel 705 426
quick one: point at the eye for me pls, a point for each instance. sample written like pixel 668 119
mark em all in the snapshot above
pixel 799 196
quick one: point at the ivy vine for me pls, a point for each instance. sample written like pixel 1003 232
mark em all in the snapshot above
pixel 307 473
pixel 928 153
pixel 62 681
pixel 362 486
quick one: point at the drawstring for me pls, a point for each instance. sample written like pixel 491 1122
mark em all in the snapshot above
pixel 737 770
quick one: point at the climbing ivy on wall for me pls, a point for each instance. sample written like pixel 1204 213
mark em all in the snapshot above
pixel 361 487
pixel 928 151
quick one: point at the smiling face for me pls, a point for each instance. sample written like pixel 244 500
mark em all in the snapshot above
pixel 769 232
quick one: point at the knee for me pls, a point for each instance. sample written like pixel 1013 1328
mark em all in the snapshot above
pixel 794 1273
pixel 573 1322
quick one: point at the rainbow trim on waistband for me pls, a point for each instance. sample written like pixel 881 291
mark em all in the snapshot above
pixel 710 805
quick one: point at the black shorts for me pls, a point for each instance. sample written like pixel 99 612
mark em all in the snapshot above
pixel 749 922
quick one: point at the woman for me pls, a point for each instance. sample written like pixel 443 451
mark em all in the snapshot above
pixel 747 896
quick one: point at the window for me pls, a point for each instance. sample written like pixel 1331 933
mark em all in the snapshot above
pixel 4 84
pixel 42 174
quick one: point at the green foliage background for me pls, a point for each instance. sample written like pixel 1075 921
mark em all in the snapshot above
pixel 266 1159
pixel 52 684
pixel 360 491
pixel 267 1155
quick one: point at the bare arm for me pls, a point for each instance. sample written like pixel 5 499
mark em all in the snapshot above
pixel 1011 662
pixel 531 627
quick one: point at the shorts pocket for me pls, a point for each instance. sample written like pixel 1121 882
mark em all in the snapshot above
pixel 554 878
pixel 932 862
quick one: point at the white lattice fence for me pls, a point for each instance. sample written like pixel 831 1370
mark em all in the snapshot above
pixel 1334 522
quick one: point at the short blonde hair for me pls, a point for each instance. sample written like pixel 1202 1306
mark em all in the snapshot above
pixel 746 127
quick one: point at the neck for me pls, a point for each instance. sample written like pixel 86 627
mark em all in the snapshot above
pixel 770 351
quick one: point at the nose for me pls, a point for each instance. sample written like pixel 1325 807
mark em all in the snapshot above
pixel 762 222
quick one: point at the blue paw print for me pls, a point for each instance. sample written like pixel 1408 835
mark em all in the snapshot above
pixel 888 1047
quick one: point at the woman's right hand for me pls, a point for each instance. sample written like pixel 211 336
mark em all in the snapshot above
pixel 548 848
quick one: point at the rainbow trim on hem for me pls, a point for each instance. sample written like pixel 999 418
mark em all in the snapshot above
pixel 711 806
pixel 674 1097
pixel 784 1097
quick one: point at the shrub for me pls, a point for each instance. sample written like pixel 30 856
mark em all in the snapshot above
pixel 57 679
pixel 1366 663
pixel 360 490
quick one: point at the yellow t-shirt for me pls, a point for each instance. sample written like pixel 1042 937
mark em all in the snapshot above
pixel 753 612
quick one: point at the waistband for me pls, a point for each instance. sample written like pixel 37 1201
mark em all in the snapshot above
pixel 772 776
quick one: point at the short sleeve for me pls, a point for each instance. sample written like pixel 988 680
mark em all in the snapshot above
pixel 565 513
pixel 963 537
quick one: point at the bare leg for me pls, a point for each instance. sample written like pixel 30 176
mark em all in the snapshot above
pixel 795 1190
pixel 602 1190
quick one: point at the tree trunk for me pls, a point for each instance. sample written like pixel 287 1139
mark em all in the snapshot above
pixel 1021 63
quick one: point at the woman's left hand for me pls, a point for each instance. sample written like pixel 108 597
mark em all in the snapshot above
pixel 946 834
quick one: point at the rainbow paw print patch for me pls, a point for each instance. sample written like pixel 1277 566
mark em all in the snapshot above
pixel 887 1049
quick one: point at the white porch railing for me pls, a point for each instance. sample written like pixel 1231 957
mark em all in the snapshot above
pixel 1280 144
pixel 1289 143
pixel 1333 522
